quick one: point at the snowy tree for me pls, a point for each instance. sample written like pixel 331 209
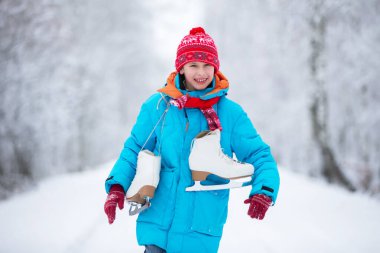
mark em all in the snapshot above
pixel 319 109
pixel 307 74
pixel 70 78
pixel 73 75
pixel 352 76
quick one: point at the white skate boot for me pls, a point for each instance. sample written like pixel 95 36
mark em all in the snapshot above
pixel 145 182
pixel 207 161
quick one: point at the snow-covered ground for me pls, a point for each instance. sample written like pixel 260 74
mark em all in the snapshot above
pixel 65 214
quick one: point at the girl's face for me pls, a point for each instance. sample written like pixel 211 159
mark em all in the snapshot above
pixel 198 75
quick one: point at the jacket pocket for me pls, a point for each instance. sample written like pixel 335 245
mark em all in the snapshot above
pixel 210 212
pixel 161 209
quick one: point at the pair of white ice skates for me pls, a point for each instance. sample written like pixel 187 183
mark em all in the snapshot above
pixel 211 170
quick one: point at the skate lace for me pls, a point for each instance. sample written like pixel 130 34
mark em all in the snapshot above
pixel 227 158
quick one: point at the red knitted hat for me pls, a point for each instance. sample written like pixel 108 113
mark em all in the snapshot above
pixel 197 46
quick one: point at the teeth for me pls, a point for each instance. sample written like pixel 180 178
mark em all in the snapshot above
pixel 201 80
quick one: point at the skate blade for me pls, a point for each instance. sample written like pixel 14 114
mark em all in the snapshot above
pixel 136 207
pixel 231 184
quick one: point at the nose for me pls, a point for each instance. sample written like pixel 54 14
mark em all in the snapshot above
pixel 202 71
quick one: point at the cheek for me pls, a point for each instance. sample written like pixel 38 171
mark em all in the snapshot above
pixel 188 79
pixel 211 71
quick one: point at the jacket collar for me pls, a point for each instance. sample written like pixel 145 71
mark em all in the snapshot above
pixel 220 88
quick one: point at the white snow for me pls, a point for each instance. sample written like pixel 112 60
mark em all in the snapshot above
pixel 65 214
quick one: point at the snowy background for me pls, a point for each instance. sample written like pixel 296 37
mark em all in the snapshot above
pixel 64 214
pixel 73 75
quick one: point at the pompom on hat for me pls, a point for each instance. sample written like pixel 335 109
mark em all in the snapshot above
pixel 197 46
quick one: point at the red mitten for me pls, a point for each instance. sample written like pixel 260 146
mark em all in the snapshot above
pixel 259 205
pixel 115 197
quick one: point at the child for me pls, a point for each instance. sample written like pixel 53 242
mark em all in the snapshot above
pixel 193 100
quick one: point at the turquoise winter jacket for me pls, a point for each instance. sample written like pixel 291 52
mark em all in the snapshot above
pixel 180 221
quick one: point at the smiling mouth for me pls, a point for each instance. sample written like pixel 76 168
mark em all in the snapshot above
pixel 201 80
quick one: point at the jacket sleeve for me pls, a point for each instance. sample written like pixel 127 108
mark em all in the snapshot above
pixel 124 169
pixel 250 148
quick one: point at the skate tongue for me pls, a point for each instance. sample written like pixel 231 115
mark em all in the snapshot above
pixel 136 208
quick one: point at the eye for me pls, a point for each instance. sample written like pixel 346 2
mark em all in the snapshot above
pixel 209 66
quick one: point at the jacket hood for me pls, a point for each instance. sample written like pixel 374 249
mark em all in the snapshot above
pixel 220 87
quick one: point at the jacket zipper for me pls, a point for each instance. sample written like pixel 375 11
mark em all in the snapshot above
pixel 187 121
